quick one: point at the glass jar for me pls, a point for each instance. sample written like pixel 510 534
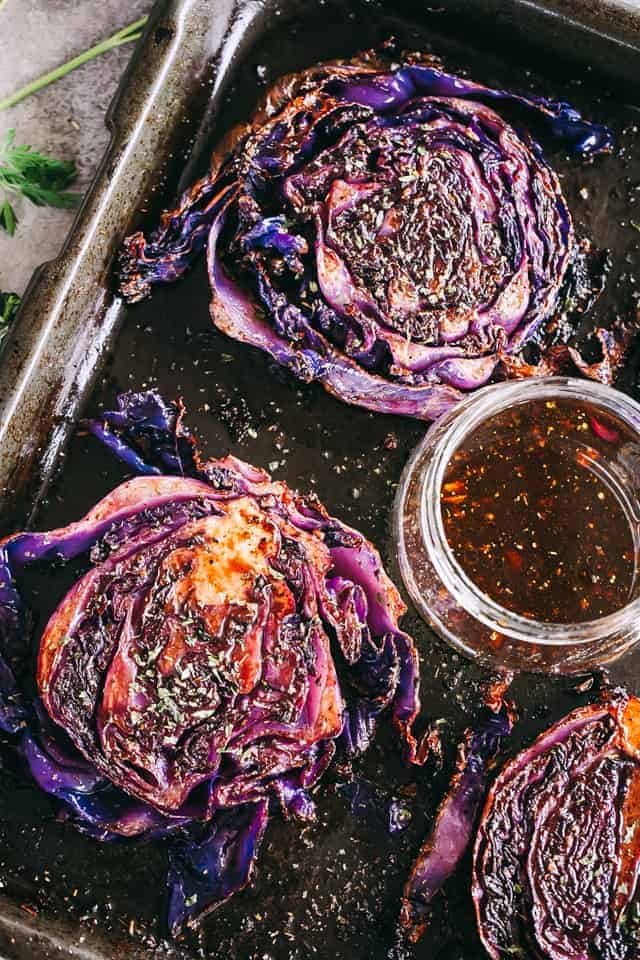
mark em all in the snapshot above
pixel 449 601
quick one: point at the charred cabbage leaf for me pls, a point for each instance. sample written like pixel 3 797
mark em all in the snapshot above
pixel 189 681
pixel 557 854
pixel 453 828
pixel 381 229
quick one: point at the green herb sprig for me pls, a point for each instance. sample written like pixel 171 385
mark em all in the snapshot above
pixel 41 179
pixel 126 35
pixel 9 303
pixel 24 171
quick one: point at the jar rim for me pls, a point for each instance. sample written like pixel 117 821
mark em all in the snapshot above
pixel 464 419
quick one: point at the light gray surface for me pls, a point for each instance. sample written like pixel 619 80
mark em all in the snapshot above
pixel 65 119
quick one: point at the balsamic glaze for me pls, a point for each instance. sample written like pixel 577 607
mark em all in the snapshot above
pixel 532 514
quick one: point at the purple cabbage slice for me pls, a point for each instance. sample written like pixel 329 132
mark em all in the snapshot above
pixel 452 831
pixel 557 854
pixel 381 229
pixel 219 648
pixel 213 861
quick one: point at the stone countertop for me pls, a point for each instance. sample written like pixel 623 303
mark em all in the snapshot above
pixel 65 119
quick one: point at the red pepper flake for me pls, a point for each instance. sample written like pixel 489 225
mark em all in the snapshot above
pixel 515 559
pixel 455 498
pixel 607 433
pixel 454 487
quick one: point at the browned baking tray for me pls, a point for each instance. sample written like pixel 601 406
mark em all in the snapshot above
pixel 330 891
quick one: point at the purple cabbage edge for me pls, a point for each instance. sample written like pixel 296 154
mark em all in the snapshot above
pixel 377 807
pixel 453 829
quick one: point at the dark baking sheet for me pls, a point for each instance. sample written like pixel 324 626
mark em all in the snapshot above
pixel 330 890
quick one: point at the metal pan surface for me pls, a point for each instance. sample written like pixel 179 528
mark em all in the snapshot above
pixel 330 890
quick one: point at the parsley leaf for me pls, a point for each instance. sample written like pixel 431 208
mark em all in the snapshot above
pixel 41 179
pixel 9 303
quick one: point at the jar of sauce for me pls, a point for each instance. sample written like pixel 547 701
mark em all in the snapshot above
pixel 517 525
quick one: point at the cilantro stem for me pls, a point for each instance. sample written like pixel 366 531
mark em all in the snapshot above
pixel 126 35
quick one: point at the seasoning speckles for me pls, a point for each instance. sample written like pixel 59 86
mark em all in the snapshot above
pixel 531 514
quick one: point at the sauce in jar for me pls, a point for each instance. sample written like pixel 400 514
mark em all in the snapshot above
pixel 534 513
